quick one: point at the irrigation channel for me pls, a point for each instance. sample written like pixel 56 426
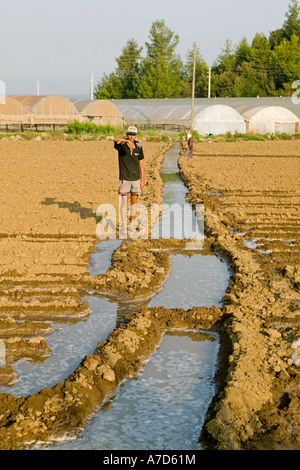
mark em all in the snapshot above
pixel 164 407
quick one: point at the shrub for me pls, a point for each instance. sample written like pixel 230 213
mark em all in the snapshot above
pixel 89 127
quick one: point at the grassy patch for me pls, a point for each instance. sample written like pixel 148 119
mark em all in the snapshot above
pixel 236 137
pixel 90 128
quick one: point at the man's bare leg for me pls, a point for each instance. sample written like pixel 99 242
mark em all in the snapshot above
pixel 134 199
pixel 123 201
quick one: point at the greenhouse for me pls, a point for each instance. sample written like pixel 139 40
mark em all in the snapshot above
pixel 211 116
pixel 99 111
pixel 270 119
pixel 12 112
pixel 208 119
pixel 218 119
pixel 51 109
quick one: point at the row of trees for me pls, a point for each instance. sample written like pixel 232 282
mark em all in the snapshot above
pixel 266 67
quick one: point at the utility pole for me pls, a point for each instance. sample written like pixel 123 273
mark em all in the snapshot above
pixel 209 80
pixel 92 86
pixel 38 88
pixel 193 88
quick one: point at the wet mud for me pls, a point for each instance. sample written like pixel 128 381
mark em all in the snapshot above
pixel 252 190
pixel 47 233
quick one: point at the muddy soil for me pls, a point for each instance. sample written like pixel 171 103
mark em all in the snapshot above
pixel 251 197
pixel 50 194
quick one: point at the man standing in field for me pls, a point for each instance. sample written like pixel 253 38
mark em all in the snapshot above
pixel 190 139
pixel 131 175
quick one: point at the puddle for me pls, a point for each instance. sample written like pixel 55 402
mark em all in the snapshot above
pixel 100 259
pixel 164 407
pixel 69 345
pixel 195 281
pixel 254 243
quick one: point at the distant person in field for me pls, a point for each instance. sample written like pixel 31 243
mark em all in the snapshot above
pixel 131 175
pixel 190 139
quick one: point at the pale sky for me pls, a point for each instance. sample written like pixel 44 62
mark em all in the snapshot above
pixel 62 42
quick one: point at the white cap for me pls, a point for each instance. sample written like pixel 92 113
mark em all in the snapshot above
pixel 132 130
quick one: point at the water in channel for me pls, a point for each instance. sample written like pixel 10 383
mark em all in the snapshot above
pixel 163 407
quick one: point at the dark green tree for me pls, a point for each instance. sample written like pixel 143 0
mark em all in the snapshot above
pixel 124 81
pixel 255 77
pixel 254 82
pixel 162 67
pixel 290 26
pixel 109 87
pixel 224 77
pixel 226 59
pixel 276 37
pixel 243 52
pixel 201 75
pixel 129 68
pixel 292 23
pixel 286 62
pixel 260 51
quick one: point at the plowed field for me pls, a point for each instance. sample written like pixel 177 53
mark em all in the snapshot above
pixel 50 192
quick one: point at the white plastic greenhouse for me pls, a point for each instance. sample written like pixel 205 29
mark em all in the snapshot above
pixel 157 115
pixel 208 119
pixel 99 111
pixel 270 119
pixel 218 119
